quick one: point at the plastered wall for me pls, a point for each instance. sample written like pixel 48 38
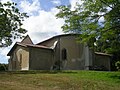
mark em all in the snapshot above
pixel 19 59
pixel 75 53
pixel 40 59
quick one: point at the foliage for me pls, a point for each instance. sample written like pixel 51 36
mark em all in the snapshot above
pixel 97 22
pixel 10 23
pixel 117 64
pixel 3 67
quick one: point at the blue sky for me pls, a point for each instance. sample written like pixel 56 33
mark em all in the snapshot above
pixel 48 4
pixel 42 23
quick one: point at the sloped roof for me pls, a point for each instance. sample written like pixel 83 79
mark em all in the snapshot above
pixel 38 46
pixel 26 45
pixel 27 40
pixel 58 36
pixel 14 47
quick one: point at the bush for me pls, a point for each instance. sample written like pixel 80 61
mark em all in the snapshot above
pixel 98 68
pixel 117 64
pixel 3 67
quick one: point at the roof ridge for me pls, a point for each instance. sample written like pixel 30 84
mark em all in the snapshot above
pixel 56 37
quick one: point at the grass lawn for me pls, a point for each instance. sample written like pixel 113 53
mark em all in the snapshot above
pixel 64 80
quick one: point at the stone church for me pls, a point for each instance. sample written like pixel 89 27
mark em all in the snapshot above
pixel 61 52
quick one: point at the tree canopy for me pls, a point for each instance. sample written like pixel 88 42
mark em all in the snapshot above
pixel 97 22
pixel 10 23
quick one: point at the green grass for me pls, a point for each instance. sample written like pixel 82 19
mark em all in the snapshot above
pixel 63 80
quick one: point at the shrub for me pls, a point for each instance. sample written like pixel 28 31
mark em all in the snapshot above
pixel 3 67
pixel 98 68
pixel 117 64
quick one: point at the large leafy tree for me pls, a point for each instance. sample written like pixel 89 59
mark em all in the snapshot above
pixel 10 23
pixel 97 22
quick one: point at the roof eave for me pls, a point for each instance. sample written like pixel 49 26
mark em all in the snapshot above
pixel 56 37
pixel 34 46
pixel 13 48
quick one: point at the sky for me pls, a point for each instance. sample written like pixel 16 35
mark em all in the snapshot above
pixel 42 23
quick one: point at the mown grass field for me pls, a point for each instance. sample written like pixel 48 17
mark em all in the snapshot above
pixel 64 80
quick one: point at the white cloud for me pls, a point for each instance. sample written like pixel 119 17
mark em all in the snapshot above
pixel 74 2
pixel 40 26
pixel 56 2
pixel 3 55
pixel 30 8
pixel 44 25
pixel 4 1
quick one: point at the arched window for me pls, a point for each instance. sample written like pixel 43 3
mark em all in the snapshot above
pixel 20 59
pixel 64 54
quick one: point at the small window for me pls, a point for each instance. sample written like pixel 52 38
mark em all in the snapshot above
pixel 64 54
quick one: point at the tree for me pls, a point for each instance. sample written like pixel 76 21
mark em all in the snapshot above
pixel 97 22
pixel 10 23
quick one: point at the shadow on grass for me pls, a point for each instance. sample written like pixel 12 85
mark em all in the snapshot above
pixel 115 76
pixel 38 72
